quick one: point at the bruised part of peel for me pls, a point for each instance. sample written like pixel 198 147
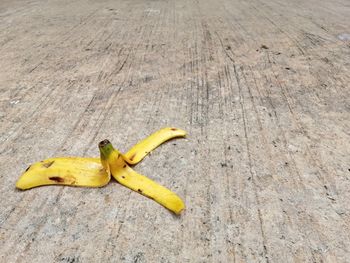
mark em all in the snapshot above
pixel 126 176
pixel 73 171
pixel 144 147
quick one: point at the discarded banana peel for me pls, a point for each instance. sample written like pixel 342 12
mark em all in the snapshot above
pixel 96 172
pixel 71 170
pixel 116 166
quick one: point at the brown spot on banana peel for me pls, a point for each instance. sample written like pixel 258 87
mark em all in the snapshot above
pixel 57 179
pixel 132 157
pixel 67 180
pixel 28 168
pixel 173 129
pixel 47 165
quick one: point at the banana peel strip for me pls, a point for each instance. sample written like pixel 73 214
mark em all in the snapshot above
pixel 90 172
pixel 73 171
pixel 144 147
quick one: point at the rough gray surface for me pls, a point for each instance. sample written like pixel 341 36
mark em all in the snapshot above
pixel 261 86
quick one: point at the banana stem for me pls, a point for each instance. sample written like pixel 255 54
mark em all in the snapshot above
pixel 106 148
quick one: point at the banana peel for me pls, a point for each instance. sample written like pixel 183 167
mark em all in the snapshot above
pixel 88 172
pixel 96 172
pixel 116 166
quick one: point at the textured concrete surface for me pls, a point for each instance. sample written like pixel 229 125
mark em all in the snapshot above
pixel 262 87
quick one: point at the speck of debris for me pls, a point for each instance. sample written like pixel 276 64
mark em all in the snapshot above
pixel 340 213
pixel 264 47
pixel 287 68
pixel 223 164
pixel 331 198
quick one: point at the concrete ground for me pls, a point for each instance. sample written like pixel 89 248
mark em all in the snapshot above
pixel 261 86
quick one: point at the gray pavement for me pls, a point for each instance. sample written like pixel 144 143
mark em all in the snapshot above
pixel 261 86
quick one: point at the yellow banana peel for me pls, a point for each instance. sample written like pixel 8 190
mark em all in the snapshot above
pixel 115 165
pixel 96 172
